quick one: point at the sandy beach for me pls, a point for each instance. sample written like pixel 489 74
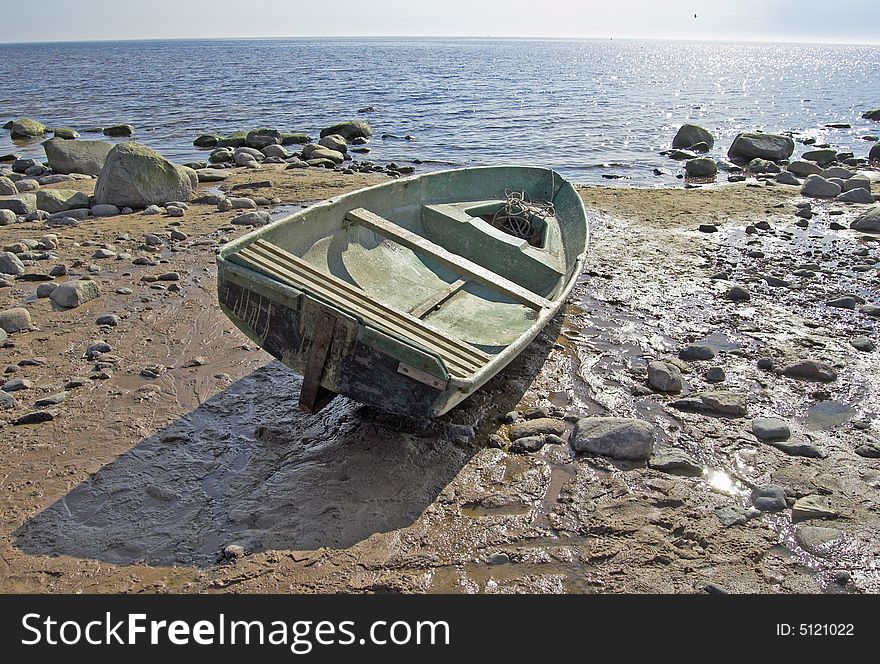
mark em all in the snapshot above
pixel 181 464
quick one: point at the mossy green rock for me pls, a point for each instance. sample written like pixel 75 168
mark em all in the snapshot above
pixel 235 140
pixel 207 141
pixel 27 128
pixel 349 129
pixel 136 176
pixel 295 139
pixel 60 200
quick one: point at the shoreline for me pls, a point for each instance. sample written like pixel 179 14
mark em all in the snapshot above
pixel 190 444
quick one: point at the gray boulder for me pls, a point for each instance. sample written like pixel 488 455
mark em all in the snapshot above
pixel 857 182
pixel 615 437
pixel 857 195
pixel 86 157
pixel 105 210
pixel 14 320
pixel 815 186
pixel 804 168
pixel 748 145
pixel 770 429
pixel 7 187
pixel 21 204
pixel 837 172
pixel 7 217
pixel 701 167
pixel 769 498
pixel 691 134
pixel 786 177
pixel 261 138
pixel 717 402
pixel 350 130
pixel 211 174
pixel 61 200
pixel 136 176
pixel 26 128
pixel 119 130
pixel 65 133
pixel 822 157
pixel 276 151
pixel 10 264
pixel 869 220
pixel 873 114
pixel 74 293
pixel 314 152
pixel 874 154
pixel 334 142
pixel 207 141
pixel 811 370
pixel 260 218
pixel 817 539
pixel 665 377
pixel 758 165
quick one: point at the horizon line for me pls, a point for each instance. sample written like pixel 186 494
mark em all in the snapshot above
pixel 749 40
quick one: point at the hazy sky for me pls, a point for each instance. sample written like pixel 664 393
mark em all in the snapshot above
pixel 790 20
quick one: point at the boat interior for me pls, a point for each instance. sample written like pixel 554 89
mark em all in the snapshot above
pixel 434 259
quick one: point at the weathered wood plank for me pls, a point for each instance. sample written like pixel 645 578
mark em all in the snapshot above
pixel 461 358
pixel 421 310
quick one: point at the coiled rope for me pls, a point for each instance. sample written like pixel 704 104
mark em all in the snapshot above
pixel 515 216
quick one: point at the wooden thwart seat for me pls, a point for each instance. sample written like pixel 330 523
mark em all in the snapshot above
pixel 468 269
pixel 461 359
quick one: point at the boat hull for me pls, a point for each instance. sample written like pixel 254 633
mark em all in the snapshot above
pixel 360 361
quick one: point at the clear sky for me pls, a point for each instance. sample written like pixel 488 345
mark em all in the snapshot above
pixel 789 20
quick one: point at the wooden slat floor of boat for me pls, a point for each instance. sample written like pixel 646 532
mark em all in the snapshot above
pixel 461 358
pixel 468 269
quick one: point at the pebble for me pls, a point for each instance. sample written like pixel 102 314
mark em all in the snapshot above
pixel 716 375
pixel 869 450
pixel 108 319
pixel 665 377
pixel 766 364
pixel 527 444
pixel 35 417
pixel 815 539
pixel 770 429
pixel 737 294
pixel 53 400
pixel 718 402
pixel 846 302
pixel 811 370
pixel 769 498
pixel 675 462
pixel 614 437
pixel 862 343
pixel 536 427
pixel 17 384
pixel 233 552
pixel 696 352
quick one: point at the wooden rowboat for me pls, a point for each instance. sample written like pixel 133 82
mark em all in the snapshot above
pixel 409 295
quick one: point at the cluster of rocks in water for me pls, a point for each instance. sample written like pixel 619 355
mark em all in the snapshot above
pixel 821 171
pixel 270 146
pixel 133 177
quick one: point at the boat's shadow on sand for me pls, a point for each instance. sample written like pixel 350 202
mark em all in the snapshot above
pixel 247 467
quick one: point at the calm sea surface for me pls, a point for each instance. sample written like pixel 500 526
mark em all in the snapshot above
pixel 586 108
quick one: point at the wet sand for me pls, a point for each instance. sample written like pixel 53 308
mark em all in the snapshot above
pixel 139 483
